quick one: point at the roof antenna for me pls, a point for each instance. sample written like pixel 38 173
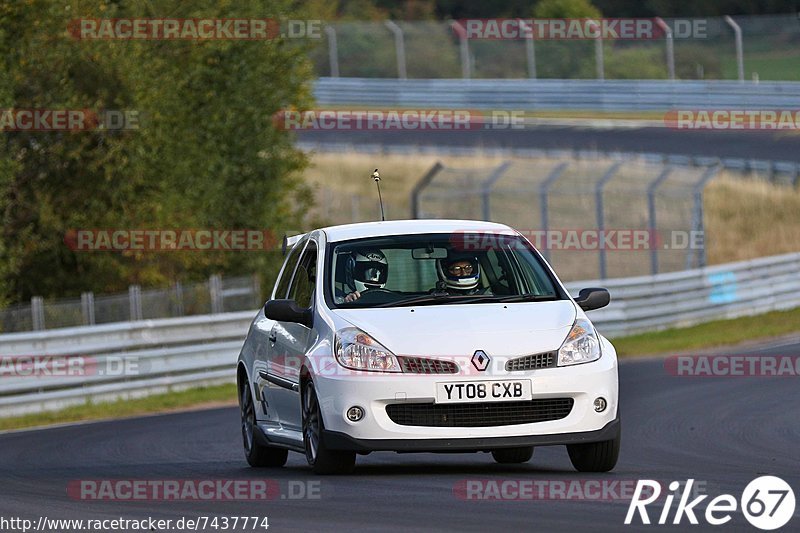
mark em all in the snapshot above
pixel 377 178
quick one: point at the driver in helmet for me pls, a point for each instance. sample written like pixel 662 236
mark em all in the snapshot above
pixel 460 274
pixel 365 270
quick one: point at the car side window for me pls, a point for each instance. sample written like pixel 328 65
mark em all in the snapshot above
pixel 302 287
pixel 282 287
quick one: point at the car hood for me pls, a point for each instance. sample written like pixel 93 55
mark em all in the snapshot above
pixel 457 330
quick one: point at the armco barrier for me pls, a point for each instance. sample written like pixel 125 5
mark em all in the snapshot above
pixel 526 94
pixel 178 353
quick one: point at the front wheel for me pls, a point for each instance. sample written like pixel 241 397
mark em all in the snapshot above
pixel 319 457
pixel 595 456
pixel 256 454
pixel 508 456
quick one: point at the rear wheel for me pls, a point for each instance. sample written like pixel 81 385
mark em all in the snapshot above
pixel 319 457
pixel 595 456
pixel 513 455
pixel 256 453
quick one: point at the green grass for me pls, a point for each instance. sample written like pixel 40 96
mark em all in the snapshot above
pixel 781 65
pixel 711 334
pixel 124 408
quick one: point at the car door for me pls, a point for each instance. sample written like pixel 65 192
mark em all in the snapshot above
pixel 292 341
pixel 265 331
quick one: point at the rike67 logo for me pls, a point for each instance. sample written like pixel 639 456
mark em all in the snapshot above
pixel 767 503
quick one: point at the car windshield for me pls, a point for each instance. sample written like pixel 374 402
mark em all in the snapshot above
pixel 436 269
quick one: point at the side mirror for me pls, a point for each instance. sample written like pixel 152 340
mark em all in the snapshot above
pixel 593 298
pixel 288 311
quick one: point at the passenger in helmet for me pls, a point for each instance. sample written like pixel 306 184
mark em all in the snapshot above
pixel 365 270
pixel 460 274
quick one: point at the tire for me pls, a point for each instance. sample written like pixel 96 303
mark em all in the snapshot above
pixel 320 458
pixel 507 456
pixel 257 454
pixel 595 456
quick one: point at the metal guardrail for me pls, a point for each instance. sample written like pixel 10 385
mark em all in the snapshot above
pixel 679 299
pixel 121 360
pixel 527 94
pixel 180 353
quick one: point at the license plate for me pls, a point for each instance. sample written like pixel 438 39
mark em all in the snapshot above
pixel 484 391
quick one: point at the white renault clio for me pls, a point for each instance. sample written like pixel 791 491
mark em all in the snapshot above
pixel 425 336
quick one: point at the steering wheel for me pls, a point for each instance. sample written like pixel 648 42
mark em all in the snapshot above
pixel 376 295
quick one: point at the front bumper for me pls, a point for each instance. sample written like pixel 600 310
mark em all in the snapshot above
pixel 338 392
pixel 335 440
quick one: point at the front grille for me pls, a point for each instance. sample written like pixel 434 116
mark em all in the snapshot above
pixel 423 365
pixel 468 415
pixel 531 362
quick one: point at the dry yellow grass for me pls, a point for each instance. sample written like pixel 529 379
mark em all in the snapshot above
pixel 744 218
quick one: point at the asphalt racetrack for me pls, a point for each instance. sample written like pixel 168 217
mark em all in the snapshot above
pixel 723 432
pixel 767 145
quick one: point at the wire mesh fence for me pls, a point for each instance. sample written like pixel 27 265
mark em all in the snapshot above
pixel 702 48
pixel 216 295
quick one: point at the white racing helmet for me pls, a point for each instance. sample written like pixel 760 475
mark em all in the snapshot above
pixel 465 280
pixel 367 269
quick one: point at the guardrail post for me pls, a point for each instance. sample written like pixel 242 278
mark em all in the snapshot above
pixel 333 51
pixel 796 175
pixel 670 47
pixel 215 291
pixel 530 50
pixel 87 308
pixel 135 302
pixel 488 185
pixel 544 187
pixel 420 186
pixel 737 30
pixel 400 48
pixel 256 290
pixel 37 313
pixel 598 194
pixel 651 209
pixel 463 43
pixel 697 217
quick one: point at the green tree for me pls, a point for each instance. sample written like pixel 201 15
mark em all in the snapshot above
pixel 206 154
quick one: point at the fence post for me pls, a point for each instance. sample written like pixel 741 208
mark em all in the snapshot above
pixel 737 31
pixel 488 185
pixel 135 302
pixel 37 313
pixel 421 184
pixel 598 194
pixel 598 52
pixel 87 308
pixel 464 47
pixel 697 216
pixel 333 51
pixel 530 50
pixel 179 308
pixel 257 289
pixel 544 187
pixel 670 47
pixel 215 291
pixel 400 48
pixel 651 209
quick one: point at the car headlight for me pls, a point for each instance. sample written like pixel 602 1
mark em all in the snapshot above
pixel 582 345
pixel 358 351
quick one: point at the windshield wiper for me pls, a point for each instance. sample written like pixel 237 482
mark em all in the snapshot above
pixel 528 298
pixel 430 298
